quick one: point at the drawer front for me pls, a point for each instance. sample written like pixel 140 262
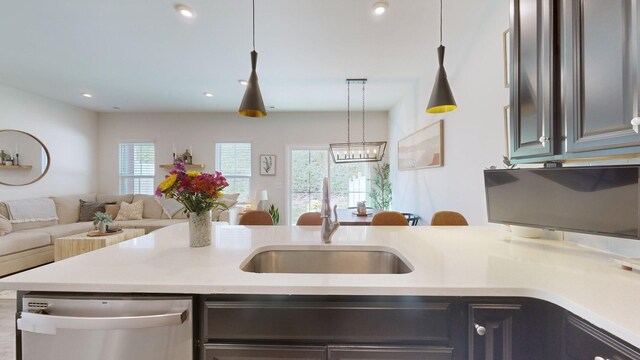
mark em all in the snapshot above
pixel 584 341
pixel 327 322
pixel 389 352
pixel 239 352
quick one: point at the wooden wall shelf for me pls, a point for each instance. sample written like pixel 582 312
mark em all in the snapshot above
pixel 187 166
pixel 16 167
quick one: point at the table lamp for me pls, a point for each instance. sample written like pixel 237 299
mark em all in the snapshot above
pixel 262 197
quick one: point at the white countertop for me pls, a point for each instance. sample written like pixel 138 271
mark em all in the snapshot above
pixel 447 261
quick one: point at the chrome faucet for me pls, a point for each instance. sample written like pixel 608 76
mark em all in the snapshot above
pixel 328 226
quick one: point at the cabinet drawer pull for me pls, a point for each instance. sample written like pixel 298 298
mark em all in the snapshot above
pixel 635 122
pixel 480 330
pixel 543 139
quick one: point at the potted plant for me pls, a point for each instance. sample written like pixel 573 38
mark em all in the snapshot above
pixel 275 214
pixel 381 187
pixel 101 220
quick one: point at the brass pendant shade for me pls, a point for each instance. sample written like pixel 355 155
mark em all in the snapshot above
pixel 252 104
pixel 441 99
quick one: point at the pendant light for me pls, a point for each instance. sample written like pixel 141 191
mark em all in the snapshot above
pixel 252 104
pixel 441 99
pixel 351 152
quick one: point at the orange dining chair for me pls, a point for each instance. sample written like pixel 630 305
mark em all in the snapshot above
pixel 309 218
pixel 389 218
pixel 448 218
pixel 256 217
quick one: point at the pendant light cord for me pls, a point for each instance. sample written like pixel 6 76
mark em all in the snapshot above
pixel 363 112
pixel 254 25
pixel 348 111
pixel 440 22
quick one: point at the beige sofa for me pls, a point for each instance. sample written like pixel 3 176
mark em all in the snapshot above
pixel 31 244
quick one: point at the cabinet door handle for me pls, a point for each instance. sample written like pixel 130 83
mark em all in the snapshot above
pixel 480 330
pixel 543 139
pixel 635 122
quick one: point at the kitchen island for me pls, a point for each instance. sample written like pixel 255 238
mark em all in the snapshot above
pixel 445 261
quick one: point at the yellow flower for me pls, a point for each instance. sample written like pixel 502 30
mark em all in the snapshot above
pixel 168 182
pixel 193 173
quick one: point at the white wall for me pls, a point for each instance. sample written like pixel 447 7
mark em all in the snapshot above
pixel 69 133
pixel 473 134
pixel 268 135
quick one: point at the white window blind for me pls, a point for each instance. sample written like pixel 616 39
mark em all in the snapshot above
pixel 137 168
pixel 233 160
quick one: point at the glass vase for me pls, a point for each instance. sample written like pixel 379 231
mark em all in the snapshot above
pixel 200 229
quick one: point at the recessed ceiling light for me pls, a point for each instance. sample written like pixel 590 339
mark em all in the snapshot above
pixel 380 7
pixel 185 11
pixel 87 95
pixel 243 82
pixel 208 94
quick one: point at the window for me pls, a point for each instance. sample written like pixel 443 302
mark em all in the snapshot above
pixel 137 168
pixel 349 183
pixel 233 160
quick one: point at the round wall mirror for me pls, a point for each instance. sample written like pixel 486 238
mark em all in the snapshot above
pixel 23 158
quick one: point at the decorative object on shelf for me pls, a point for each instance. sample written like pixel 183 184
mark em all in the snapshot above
pixel 441 99
pixel 199 193
pixel 422 149
pixel 187 166
pixel 252 104
pixel 186 157
pixel 102 219
pixel 275 214
pixel 27 154
pixel 262 198
pixel 365 151
pixel 506 49
pixel 381 187
pixel 267 164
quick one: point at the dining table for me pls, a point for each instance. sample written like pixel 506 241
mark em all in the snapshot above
pixel 350 217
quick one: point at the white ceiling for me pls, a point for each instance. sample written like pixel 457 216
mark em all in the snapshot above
pixel 140 55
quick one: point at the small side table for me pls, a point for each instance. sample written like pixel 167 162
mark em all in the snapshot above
pixel 68 246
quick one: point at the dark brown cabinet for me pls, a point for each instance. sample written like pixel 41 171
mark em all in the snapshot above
pixel 600 74
pixel 574 79
pixel 496 331
pixel 585 341
pixel 389 352
pixel 532 95
pixel 266 352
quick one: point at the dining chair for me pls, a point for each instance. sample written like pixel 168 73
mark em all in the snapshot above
pixel 412 219
pixel 389 218
pixel 309 218
pixel 448 218
pixel 256 217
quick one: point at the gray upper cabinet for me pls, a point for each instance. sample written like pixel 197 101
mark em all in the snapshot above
pixel 532 73
pixel 600 68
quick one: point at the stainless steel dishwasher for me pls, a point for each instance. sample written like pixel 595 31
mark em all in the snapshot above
pixel 106 328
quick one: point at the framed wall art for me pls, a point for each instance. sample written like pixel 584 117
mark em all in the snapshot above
pixel 267 164
pixel 422 149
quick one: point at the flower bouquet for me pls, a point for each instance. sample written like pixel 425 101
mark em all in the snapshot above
pixel 199 193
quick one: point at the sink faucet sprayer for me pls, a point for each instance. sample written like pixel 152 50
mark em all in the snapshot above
pixel 328 226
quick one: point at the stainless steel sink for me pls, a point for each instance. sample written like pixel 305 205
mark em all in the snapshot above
pixel 325 260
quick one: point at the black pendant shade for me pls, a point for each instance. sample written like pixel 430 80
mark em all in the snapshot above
pixel 441 99
pixel 252 104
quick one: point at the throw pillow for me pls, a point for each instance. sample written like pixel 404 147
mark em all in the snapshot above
pixel 229 200
pixel 170 207
pixel 89 208
pixel 112 210
pixel 5 226
pixel 130 211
